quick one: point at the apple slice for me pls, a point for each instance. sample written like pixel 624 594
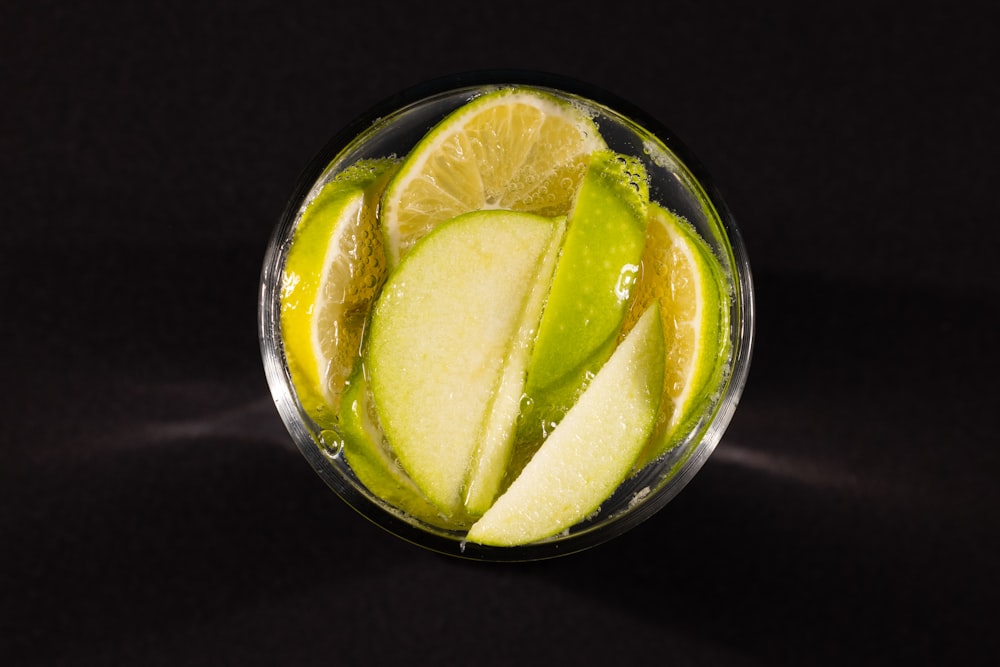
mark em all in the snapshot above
pixel 496 444
pixel 449 320
pixel 369 456
pixel 591 451
pixel 591 288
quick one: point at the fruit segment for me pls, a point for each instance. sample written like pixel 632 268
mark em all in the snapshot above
pixel 373 462
pixel 441 334
pixel 590 452
pixel 682 275
pixel 592 285
pixel 516 149
pixel 493 454
pixel 334 268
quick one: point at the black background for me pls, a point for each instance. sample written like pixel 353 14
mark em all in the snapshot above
pixel 153 511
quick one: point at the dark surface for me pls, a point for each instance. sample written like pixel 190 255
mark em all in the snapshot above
pixel 154 511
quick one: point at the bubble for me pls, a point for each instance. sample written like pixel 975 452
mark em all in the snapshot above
pixel 330 444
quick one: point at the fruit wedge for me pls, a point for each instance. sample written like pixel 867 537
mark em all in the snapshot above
pixel 681 273
pixel 373 462
pixel 334 267
pixel 448 321
pixel 495 447
pixel 520 149
pixel 592 286
pixel 590 452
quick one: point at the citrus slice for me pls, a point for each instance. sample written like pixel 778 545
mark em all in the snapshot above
pixel 590 452
pixel 680 272
pixel 515 148
pixel 335 266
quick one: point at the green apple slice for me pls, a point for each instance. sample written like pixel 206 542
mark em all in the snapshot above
pixel 590 452
pixel 489 465
pixel 592 284
pixel 445 325
pixel 369 456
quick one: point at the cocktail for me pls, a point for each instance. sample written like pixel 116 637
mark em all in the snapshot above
pixel 506 316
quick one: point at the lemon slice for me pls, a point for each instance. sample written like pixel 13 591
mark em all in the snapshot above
pixel 680 272
pixel 516 148
pixel 335 266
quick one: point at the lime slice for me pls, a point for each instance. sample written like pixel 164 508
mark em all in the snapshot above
pixel 680 272
pixel 516 148
pixel 591 450
pixel 335 266
pixel 444 327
